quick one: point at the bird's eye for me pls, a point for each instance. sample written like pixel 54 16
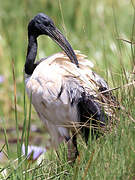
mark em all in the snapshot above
pixel 46 23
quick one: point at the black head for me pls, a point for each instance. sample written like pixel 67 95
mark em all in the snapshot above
pixel 41 24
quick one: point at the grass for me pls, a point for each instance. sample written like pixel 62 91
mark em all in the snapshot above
pixel 96 28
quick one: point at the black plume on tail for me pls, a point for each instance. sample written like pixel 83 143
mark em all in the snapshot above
pixel 91 114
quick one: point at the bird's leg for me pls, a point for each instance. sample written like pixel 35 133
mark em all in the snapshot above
pixel 75 145
pixel 72 148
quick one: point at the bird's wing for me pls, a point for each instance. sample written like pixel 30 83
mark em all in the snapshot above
pixel 87 77
pixel 93 84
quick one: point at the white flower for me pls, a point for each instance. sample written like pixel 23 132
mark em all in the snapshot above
pixel 33 152
pixel 1 79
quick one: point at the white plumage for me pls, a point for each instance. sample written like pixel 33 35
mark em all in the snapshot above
pixel 65 91
pixel 45 85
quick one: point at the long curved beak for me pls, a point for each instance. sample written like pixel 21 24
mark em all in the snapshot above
pixel 59 38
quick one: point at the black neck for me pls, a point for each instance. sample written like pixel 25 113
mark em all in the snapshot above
pixel 31 55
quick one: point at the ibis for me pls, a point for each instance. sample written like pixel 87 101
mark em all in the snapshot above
pixel 66 93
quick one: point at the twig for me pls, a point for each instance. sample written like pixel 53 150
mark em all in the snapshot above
pixel 129 115
pixel 125 40
pixel 88 165
pixel 108 90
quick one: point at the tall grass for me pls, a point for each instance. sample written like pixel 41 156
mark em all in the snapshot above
pixel 105 31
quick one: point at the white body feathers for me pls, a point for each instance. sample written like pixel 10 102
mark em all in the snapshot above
pixel 48 85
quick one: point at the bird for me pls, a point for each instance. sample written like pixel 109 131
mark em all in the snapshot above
pixel 66 93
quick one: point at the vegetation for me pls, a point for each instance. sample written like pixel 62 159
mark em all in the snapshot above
pixel 103 30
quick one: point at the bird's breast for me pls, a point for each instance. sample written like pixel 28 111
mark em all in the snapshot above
pixel 49 99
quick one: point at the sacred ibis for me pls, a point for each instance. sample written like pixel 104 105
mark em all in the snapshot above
pixel 66 94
